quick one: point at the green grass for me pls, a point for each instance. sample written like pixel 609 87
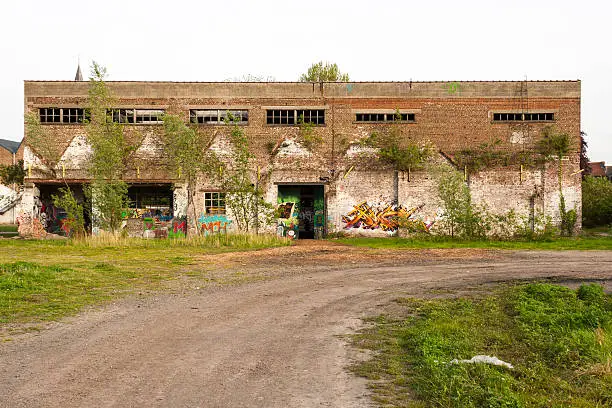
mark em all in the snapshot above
pixel 559 341
pixel 48 279
pixel 582 243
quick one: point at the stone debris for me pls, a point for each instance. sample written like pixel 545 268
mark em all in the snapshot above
pixel 485 360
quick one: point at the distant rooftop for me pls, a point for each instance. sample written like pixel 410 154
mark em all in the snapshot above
pixel 10 145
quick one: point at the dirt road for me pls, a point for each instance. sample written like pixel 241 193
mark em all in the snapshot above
pixel 273 342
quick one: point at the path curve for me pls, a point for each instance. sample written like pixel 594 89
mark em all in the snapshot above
pixel 273 343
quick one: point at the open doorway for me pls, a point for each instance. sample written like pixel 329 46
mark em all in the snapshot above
pixel 303 214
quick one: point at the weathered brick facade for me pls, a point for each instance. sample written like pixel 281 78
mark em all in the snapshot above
pixel 448 116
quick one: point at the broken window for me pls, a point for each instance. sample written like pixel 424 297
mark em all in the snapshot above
pixel 384 117
pixel 520 117
pixel 149 116
pixel 143 116
pixel 120 115
pixel 219 116
pixel 214 202
pixel 295 117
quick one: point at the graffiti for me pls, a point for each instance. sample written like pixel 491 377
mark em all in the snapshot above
pixel 30 227
pixel 386 217
pixel 209 224
pixel 157 214
pixel 453 87
pixel 179 228
pixel 285 210
pixel 288 220
pixel 148 223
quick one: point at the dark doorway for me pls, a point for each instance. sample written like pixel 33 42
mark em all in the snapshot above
pixel 306 205
pixel 52 216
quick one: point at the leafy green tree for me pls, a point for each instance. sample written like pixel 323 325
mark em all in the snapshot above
pixel 109 154
pixel 596 201
pixel 243 193
pixel 187 154
pixel 320 72
pixel 461 217
pixel 13 173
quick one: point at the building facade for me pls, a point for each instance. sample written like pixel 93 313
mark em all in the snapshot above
pixel 324 177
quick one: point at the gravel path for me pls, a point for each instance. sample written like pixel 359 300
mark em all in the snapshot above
pixel 270 343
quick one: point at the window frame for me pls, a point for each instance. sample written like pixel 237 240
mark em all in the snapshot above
pixel 523 117
pixel 214 197
pixel 62 115
pixel 387 117
pixel 220 115
pixel 290 116
pixel 130 116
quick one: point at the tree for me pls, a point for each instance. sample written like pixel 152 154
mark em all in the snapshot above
pixel 596 201
pixel 108 192
pixel 74 223
pixel 558 145
pixel 460 216
pixel 12 174
pixel 584 158
pixel 319 72
pixel 244 196
pixel 187 153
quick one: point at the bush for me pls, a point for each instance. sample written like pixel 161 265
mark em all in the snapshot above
pixel 596 201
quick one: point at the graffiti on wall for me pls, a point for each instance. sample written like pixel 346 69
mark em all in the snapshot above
pixel 210 224
pixel 163 215
pixel 386 217
pixel 287 224
pixel 179 228
pixel 30 227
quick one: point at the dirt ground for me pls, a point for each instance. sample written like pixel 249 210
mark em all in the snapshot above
pixel 272 341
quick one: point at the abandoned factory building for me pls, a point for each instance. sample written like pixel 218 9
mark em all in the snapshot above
pixel 330 179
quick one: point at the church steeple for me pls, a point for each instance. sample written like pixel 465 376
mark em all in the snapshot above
pixel 79 75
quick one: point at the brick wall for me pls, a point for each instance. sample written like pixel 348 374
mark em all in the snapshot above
pixel 449 117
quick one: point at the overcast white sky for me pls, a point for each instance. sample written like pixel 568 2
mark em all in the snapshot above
pixel 371 40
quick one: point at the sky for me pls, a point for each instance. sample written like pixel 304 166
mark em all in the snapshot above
pixel 372 41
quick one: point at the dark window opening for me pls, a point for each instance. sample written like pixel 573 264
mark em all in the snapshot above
pixel 120 115
pixel 150 201
pixel 523 117
pixel 385 117
pixel 316 116
pixel 295 117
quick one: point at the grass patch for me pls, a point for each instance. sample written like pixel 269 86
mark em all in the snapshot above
pixel 582 243
pixel 559 341
pixel 48 279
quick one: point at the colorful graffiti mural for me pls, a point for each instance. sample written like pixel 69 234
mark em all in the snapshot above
pixel 287 223
pixel 386 217
pixel 210 224
pixel 179 228
pixel 30 227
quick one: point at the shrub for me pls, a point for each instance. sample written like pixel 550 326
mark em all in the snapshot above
pixel 596 201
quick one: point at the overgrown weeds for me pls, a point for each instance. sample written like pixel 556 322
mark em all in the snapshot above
pixel 234 241
pixel 559 341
